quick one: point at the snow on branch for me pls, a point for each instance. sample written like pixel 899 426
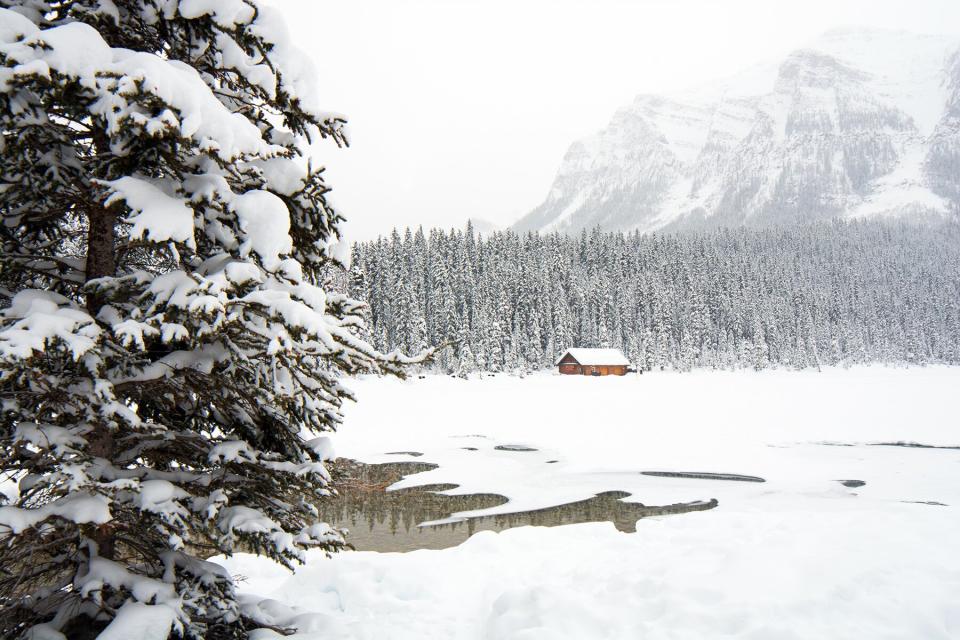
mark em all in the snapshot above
pixel 36 319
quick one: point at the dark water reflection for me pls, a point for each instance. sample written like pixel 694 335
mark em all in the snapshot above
pixel 381 520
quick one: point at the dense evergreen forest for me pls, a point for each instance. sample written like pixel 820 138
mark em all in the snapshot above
pixel 823 294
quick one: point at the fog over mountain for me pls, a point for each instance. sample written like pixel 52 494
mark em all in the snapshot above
pixel 860 123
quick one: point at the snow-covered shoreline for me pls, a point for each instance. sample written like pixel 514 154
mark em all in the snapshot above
pixel 715 574
pixel 797 556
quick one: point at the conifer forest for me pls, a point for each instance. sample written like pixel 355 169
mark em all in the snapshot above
pixel 839 293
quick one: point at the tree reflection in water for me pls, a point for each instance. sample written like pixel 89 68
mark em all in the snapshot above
pixel 381 520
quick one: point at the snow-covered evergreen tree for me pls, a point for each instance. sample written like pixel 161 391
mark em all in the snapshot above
pixel 167 356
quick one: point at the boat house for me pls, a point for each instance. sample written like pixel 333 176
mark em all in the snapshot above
pixel 593 362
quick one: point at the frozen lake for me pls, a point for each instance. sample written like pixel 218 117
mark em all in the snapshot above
pixel 799 431
pixel 825 525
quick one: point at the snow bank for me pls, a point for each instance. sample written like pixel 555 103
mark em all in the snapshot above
pixel 783 574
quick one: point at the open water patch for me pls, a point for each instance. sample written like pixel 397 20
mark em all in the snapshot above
pixel 853 484
pixel 703 475
pixel 514 447
pixel 912 445
pixel 382 520
pixel 906 444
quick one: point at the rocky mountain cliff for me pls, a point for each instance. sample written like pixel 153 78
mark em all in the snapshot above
pixel 858 123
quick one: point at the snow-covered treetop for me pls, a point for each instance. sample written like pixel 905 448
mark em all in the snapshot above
pixel 229 87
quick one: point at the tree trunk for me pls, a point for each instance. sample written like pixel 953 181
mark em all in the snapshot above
pixel 101 252
pixel 101 262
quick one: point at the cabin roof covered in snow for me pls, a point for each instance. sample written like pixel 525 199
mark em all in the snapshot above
pixel 596 357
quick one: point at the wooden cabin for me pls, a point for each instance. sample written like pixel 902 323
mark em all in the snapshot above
pixel 593 362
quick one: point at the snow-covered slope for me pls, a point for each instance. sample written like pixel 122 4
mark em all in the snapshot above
pixel 858 123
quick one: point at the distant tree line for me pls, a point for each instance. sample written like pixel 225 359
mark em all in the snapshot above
pixel 824 294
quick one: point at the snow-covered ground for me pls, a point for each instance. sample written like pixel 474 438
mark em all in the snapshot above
pixel 798 556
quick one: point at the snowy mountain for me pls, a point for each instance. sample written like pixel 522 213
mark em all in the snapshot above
pixel 858 123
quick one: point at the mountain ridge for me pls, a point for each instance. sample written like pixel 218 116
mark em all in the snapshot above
pixel 858 123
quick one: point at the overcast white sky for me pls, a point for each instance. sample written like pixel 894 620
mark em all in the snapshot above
pixel 464 108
